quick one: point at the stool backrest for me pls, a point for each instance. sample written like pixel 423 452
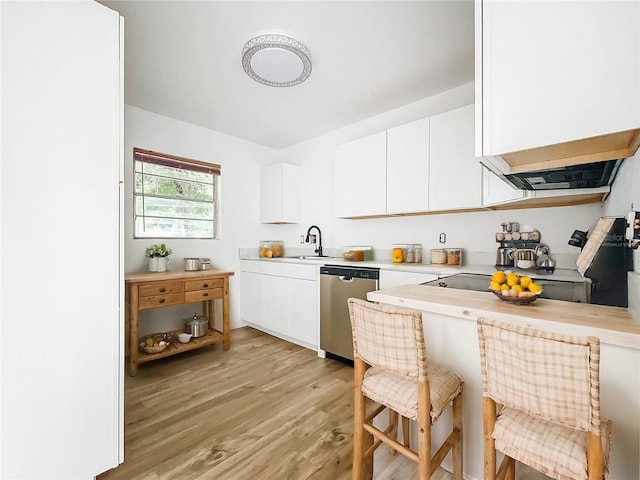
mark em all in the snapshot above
pixel 389 338
pixel 549 376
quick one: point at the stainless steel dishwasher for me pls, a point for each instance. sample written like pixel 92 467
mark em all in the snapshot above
pixel 337 284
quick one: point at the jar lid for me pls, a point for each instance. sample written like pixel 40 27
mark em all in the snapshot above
pixel 195 320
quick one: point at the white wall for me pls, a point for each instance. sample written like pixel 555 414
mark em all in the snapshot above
pixel 626 193
pixel 240 162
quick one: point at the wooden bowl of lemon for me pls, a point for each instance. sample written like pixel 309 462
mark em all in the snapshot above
pixel 513 288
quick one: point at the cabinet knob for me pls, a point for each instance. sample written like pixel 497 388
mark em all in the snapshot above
pixel 205 285
pixel 205 294
pixel 162 290
pixel 161 300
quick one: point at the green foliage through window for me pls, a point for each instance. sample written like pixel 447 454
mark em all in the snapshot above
pixel 175 197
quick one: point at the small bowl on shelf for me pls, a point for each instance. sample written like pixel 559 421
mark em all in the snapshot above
pixel 184 337
pixel 515 300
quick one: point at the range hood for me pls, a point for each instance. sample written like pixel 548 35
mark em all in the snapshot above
pixel 587 163
pixel 588 175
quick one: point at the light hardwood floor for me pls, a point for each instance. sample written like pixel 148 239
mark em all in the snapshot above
pixel 266 409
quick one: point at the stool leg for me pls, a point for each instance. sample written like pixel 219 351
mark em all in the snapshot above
pixel 393 428
pixel 405 432
pixel 457 447
pixel 488 421
pixel 424 432
pixel 359 406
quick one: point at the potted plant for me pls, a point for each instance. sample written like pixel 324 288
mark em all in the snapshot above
pixel 158 257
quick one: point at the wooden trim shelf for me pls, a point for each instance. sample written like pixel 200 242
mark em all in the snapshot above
pixel 147 290
pixel 211 337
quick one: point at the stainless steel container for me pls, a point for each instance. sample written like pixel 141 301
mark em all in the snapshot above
pixel 197 325
pixel 191 264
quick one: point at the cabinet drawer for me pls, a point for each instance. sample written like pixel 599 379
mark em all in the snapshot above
pixel 202 284
pixel 202 295
pixel 154 301
pixel 160 289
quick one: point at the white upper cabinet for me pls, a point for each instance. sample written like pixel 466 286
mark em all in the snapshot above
pixel 280 193
pixel 360 180
pixel 496 191
pixel 408 167
pixel 553 72
pixel 455 174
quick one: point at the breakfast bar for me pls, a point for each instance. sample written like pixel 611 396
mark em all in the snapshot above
pixel 449 318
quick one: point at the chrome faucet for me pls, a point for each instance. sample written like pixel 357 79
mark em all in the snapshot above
pixel 318 249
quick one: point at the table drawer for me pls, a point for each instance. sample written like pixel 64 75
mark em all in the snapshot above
pixel 160 289
pixel 204 283
pixel 202 295
pixel 154 301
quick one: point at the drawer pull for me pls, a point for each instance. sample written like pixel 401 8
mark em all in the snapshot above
pixel 205 285
pixel 161 300
pixel 205 294
pixel 162 290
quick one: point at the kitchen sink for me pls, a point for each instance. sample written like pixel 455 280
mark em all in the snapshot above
pixel 309 257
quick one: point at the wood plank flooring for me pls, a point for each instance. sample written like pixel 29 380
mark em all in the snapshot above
pixel 266 409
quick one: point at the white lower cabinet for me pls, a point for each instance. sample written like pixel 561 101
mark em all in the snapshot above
pixel 393 278
pixel 281 299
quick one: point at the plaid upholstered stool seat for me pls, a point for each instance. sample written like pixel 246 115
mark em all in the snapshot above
pixel 390 368
pixel 541 403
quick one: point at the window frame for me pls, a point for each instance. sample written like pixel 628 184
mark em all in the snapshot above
pixel 173 161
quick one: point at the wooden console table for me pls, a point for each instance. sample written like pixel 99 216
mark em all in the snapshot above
pixel 147 290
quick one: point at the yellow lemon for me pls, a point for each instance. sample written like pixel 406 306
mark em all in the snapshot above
pixel 504 286
pixel 512 279
pixel 517 288
pixel 525 282
pixel 495 286
pixel 498 277
pixel 534 287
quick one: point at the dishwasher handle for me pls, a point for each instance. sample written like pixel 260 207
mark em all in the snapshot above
pixel 343 278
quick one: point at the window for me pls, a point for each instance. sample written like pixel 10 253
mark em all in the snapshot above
pixel 175 197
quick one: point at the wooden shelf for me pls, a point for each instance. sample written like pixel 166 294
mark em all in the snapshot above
pixel 175 347
pixel 157 290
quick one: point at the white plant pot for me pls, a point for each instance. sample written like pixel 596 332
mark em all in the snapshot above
pixel 163 263
pixel 153 264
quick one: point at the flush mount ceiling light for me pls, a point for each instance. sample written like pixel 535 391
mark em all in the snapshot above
pixel 276 60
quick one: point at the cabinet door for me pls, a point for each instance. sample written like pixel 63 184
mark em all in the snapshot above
pixel 392 278
pixel 496 191
pixel 275 303
pixel 251 297
pixel 360 177
pixel 556 71
pixel 62 394
pixel 280 193
pixel 408 167
pixel 303 311
pixel 456 175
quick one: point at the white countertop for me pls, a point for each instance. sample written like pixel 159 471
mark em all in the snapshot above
pixel 434 269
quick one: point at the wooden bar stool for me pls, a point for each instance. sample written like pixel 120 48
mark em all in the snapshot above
pixel 390 368
pixel 541 403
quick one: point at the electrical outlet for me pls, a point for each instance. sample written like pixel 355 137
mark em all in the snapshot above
pixel 302 238
pixel 442 238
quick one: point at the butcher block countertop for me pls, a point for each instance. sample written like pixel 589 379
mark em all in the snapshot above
pixel 137 277
pixel 613 325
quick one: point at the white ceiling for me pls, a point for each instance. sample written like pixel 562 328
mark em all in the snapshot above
pixel 183 60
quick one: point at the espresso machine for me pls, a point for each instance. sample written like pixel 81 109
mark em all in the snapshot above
pixel 521 248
